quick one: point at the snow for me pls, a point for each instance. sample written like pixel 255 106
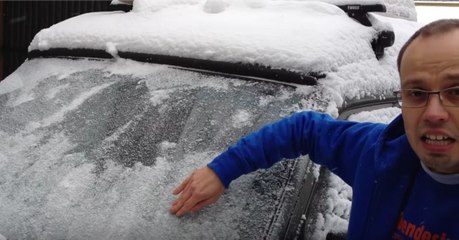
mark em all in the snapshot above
pixel 67 127
pixel 128 2
pixel 201 33
pixel 77 162
pixel 401 8
pixel 157 97
pixel 59 116
pixel 198 34
pixel 241 119
pixel 217 6
pixel 111 49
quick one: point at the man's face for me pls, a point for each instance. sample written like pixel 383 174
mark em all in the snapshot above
pixel 432 64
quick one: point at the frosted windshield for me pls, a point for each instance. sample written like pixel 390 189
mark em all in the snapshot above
pixel 89 152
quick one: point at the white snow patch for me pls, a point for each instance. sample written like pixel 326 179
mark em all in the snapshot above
pixel 400 8
pixel 53 91
pixel 149 5
pixel 132 68
pixel 166 146
pixel 77 180
pixel 58 116
pixel 315 170
pixel 242 118
pixel 37 70
pixel 111 49
pixel 215 6
pixel 158 96
pixel 11 83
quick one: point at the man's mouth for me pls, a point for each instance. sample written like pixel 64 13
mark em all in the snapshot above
pixel 437 139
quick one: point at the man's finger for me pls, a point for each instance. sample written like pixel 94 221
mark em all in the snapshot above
pixel 180 201
pixel 188 205
pixel 201 205
pixel 181 186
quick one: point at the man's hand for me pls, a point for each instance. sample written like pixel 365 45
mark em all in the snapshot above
pixel 199 190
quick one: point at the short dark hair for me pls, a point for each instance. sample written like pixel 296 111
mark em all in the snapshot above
pixel 433 28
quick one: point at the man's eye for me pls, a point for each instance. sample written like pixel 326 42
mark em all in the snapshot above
pixel 453 92
pixel 416 93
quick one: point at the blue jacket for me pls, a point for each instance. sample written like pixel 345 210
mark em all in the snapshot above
pixel 375 159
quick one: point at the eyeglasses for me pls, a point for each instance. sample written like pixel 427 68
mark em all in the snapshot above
pixel 417 98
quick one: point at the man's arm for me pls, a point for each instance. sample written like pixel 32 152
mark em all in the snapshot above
pixel 336 144
pixel 205 185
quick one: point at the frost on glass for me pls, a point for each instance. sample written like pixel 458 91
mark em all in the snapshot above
pixel 95 154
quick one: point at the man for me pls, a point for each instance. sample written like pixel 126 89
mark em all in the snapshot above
pixel 405 175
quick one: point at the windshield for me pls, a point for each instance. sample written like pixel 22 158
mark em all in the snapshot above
pixel 90 151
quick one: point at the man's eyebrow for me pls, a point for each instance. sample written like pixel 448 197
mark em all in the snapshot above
pixel 453 76
pixel 410 83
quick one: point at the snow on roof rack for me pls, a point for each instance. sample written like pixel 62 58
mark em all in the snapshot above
pixel 359 12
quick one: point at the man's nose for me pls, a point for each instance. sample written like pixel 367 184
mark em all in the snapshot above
pixel 435 111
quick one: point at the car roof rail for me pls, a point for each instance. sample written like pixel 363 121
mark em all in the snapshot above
pixel 359 12
pixel 383 39
pixel 356 11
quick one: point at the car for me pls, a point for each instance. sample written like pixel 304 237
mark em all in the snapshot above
pixel 112 110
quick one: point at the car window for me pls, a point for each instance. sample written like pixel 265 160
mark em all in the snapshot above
pixel 97 152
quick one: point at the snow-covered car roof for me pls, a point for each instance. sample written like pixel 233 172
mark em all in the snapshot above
pixel 92 145
pixel 306 37
pixel 282 34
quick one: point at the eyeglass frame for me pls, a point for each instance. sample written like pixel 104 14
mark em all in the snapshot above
pixel 398 96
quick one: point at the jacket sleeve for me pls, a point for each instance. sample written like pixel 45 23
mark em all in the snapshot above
pixel 339 145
